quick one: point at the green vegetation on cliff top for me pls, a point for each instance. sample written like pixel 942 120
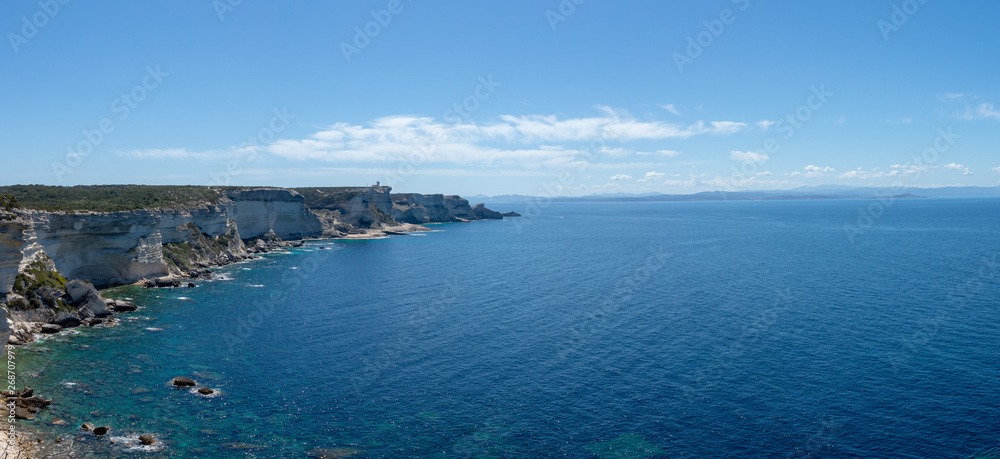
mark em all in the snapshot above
pixel 108 198
pixel 116 198
pixel 328 197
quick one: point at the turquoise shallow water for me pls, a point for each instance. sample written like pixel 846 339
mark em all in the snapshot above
pixel 745 329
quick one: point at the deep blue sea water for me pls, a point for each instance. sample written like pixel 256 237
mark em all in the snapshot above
pixel 614 330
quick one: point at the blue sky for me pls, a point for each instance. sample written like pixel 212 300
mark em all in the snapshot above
pixel 568 97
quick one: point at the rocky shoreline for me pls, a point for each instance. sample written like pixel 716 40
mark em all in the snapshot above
pixel 39 301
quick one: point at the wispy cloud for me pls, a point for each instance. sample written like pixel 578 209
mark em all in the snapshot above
pixel 537 138
pixel 621 177
pixel 652 175
pixel 812 171
pixel 183 153
pixel 984 111
pixel 748 156
pixel 670 108
pixel 958 167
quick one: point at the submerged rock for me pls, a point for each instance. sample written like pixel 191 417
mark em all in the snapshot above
pixel 147 439
pixel 87 426
pixel 330 453
pixel 59 422
pixel 243 446
pixel 181 381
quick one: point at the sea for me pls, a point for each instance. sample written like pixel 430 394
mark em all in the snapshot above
pixel 773 329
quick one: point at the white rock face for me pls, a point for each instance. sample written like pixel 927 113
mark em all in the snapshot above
pixel 112 248
pixel 258 211
pixel 11 241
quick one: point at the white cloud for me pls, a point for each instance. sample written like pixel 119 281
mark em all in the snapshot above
pixel 952 96
pixel 670 108
pixel 765 125
pixel 652 175
pixel 693 181
pixel 621 177
pixel 668 153
pixel 812 171
pixel 996 169
pixel 981 112
pixel 617 151
pixel 748 156
pixel 183 153
pixel 958 167
pixel 898 170
pixel 399 138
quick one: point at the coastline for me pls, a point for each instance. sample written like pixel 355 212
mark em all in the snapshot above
pixel 29 440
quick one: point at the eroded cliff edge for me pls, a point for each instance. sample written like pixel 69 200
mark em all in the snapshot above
pixel 59 233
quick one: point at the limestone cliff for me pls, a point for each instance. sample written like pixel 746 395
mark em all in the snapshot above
pixel 351 207
pixel 261 210
pixel 112 248
pixel 134 238
pixel 437 208
pixel 120 247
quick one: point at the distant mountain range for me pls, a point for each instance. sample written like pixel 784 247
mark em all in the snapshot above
pixel 801 193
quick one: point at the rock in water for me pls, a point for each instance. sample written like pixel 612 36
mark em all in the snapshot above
pixel 103 430
pixel 59 422
pixel 87 426
pixel 181 381
pixel 51 328
pixel 79 290
pixel 147 439
pixel 66 320
pixel 96 305
pixel 124 306
pixel 205 391
pixel 21 413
